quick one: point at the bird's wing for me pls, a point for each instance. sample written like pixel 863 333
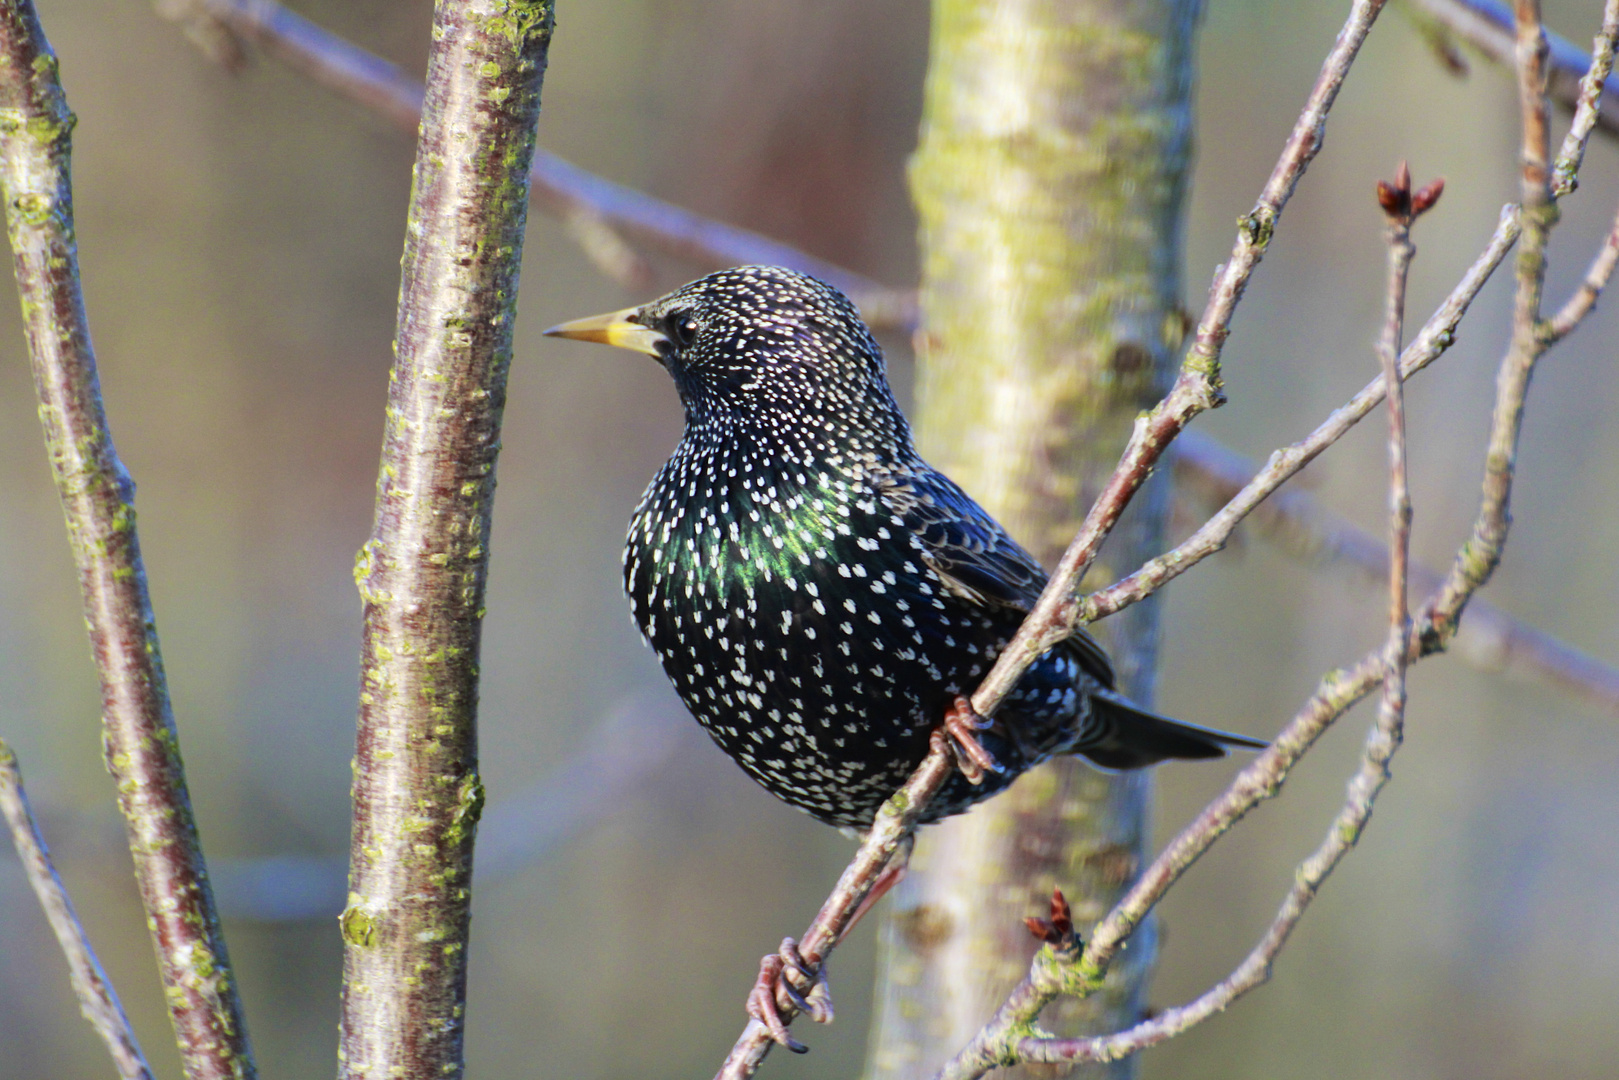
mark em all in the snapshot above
pixel 977 560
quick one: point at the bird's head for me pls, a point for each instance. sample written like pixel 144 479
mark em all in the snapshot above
pixel 759 342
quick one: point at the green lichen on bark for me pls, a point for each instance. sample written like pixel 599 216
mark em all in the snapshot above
pixel 422 574
pixel 1048 182
pixel 139 740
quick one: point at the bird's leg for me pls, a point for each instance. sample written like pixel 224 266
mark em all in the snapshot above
pixel 773 991
pixel 775 987
pixel 963 724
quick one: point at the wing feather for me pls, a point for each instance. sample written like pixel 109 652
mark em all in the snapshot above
pixel 976 559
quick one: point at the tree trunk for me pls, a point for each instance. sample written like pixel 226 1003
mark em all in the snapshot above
pixel 1049 181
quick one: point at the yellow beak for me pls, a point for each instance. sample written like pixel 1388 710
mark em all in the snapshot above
pixel 614 328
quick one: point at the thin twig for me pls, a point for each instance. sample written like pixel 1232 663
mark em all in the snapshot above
pixel 1000 1043
pixel 1196 389
pixel 1388 733
pixel 1488 26
pixel 1437 335
pixel 139 737
pixel 591 207
pixel 97 999
pixel 893 826
pixel 422 574
pixel 1295 521
pixel 1592 97
pixel 1578 306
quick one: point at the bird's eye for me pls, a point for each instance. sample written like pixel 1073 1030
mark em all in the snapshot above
pixel 682 328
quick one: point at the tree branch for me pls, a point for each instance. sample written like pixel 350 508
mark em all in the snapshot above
pixel 1488 26
pixel 139 736
pixel 1295 521
pixel 592 207
pixel 891 829
pixel 1196 389
pixel 1003 1040
pixel 97 1000
pixel 417 792
pixel 1437 335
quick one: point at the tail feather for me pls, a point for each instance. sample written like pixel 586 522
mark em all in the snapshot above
pixel 1133 738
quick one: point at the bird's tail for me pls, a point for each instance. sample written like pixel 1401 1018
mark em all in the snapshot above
pixel 1132 738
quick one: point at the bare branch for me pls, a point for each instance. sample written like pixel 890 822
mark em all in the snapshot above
pixel 1488 25
pixel 1437 335
pixel 593 208
pixel 97 1000
pixel 1578 306
pixel 1055 970
pixel 1592 96
pixel 891 829
pixel 422 574
pixel 1196 389
pixel 139 737
pixel 1001 1042
pixel 1294 520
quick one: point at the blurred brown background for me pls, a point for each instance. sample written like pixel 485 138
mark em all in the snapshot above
pixel 240 239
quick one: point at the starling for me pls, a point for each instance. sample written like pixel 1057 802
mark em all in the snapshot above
pixel 817 593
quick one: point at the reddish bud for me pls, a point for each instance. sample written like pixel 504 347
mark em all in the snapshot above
pixel 1390 198
pixel 1057 930
pixel 1042 930
pixel 1423 200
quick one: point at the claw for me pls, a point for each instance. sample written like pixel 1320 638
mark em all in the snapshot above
pixel 962 724
pixel 790 954
pixel 774 991
pixel 762 1003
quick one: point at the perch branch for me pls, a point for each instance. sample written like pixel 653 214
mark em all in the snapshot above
pixel 893 826
pixel 1196 389
pixel 592 208
pixel 97 1000
pixel 1057 968
pixel 139 737
pixel 1001 1041
pixel 422 573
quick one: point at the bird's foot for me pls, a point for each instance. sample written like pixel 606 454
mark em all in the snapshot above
pixel 963 724
pixel 775 990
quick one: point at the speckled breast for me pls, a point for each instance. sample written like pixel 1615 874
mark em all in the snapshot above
pixel 805 632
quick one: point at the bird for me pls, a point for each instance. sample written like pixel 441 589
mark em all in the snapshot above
pixel 818 595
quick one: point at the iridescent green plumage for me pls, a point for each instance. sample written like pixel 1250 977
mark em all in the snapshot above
pixel 817 593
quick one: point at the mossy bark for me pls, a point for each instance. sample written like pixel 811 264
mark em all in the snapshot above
pixel 417 792
pixel 1049 181
pixel 139 739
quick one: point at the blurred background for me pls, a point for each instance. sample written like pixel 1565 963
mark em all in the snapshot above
pixel 240 239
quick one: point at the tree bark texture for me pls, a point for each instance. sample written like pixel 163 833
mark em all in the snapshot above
pixel 139 738
pixel 1049 180
pixel 417 793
